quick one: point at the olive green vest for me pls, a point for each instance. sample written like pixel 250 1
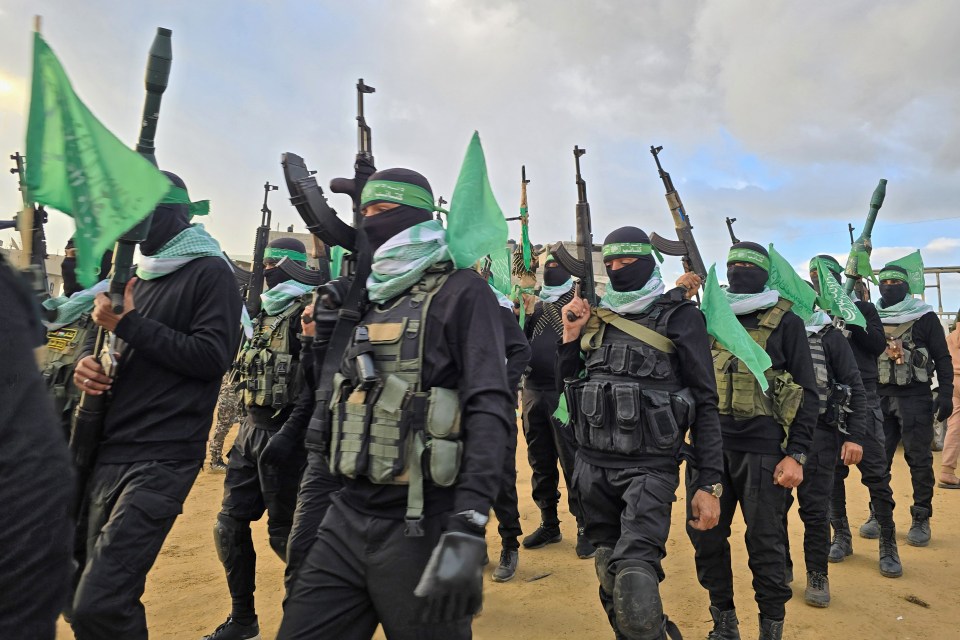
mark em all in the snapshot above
pixel 739 392
pixel 916 365
pixel 396 431
pixel 59 358
pixel 267 369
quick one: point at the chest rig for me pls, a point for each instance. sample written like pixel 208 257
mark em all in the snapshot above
pixel 386 427
pixel 903 362
pixel 632 401
pixel 739 392
pixel 265 365
pixel 834 397
pixel 59 358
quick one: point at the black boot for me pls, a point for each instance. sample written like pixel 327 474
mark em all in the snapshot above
pixel 817 593
pixel 919 534
pixel 584 548
pixel 842 545
pixel 547 533
pixel 890 566
pixel 870 529
pixel 509 559
pixel 771 629
pixel 725 625
pixel 233 630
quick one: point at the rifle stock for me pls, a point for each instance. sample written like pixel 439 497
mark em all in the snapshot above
pixel 685 246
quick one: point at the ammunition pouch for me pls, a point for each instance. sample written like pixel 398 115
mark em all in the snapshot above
pixel 265 366
pixel 836 411
pixel 59 359
pixel 916 365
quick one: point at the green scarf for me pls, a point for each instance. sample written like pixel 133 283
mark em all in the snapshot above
pixel 188 245
pixel 742 303
pixel 402 260
pixel 908 309
pixel 623 302
pixel 276 299
pixel 69 309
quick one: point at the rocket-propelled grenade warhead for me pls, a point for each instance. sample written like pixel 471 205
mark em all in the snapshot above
pixel 158 74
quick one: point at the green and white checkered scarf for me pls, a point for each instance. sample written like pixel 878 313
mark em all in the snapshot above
pixel 276 299
pixel 552 294
pixel 634 301
pixel 70 308
pixel 188 245
pixel 402 260
pixel 908 309
pixel 741 303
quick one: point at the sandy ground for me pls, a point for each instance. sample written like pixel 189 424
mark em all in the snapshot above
pixel 554 594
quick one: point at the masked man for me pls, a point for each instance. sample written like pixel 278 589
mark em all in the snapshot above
pixel 647 381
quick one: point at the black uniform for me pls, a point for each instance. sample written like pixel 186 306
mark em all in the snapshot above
pixel 506 506
pixel 177 344
pixel 814 492
pixel 867 345
pixel 751 452
pixel 362 569
pixel 908 413
pixel 36 476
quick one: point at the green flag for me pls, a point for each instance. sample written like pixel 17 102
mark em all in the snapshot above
pixel 833 299
pixel 723 325
pixel 337 254
pixel 913 264
pixel 75 165
pixel 475 225
pixel 500 270
pixel 784 279
pixel 861 258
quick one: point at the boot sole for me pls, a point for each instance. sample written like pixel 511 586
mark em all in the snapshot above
pixel 948 485
pixel 917 544
pixel 588 556
pixel 840 559
pixel 819 604
pixel 543 544
pixel 507 579
pixel 888 574
pixel 870 536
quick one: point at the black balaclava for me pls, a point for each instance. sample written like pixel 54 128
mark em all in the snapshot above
pixel 275 276
pixel 383 226
pixel 635 275
pixel 832 264
pixel 554 276
pixel 747 279
pixel 68 269
pixel 168 220
pixel 891 294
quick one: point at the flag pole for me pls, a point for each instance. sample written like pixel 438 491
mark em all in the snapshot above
pixel 25 219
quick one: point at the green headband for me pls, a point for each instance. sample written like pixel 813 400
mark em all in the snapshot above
pixel 891 274
pixel 749 255
pixel 630 249
pixel 399 192
pixel 829 261
pixel 273 253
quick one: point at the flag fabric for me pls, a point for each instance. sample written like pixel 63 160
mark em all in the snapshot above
pixel 75 165
pixel 723 325
pixel 859 259
pixel 784 279
pixel 833 299
pixel 500 271
pixel 475 225
pixel 913 264
pixel 337 254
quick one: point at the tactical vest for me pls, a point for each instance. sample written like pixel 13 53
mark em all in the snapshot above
pixel 916 364
pixel 59 358
pixel 396 430
pixel 739 392
pixel 267 369
pixel 631 401
pixel 834 397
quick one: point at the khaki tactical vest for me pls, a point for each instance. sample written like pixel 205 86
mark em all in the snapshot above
pixel 740 393
pixel 834 397
pixel 396 430
pixel 631 401
pixel 59 359
pixel 915 364
pixel 267 369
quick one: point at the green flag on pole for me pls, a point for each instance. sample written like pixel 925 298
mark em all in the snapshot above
pixel 475 225
pixel 784 279
pixel 723 325
pixel 833 299
pixel 75 165
pixel 500 270
pixel 913 264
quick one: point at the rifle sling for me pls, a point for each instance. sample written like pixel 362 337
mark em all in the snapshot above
pixel 638 331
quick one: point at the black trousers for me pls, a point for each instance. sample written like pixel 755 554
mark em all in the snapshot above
pixel 317 485
pixel 628 511
pixel 131 510
pixel 249 490
pixel 546 446
pixel 361 571
pixel 874 468
pixel 814 497
pixel 506 506
pixel 910 419
pixel 747 481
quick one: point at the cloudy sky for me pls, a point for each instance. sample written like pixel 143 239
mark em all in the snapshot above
pixel 781 114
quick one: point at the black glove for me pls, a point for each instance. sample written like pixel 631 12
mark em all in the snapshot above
pixel 326 308
pixel 944 404
pixel 278 450
pixel 452 583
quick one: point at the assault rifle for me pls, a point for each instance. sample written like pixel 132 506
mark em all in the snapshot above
pixel 88 419
pixel 30 223
pixel 523 263
pixel 363 166
pixel 685 245
pixel 863 243
pixel 580 267
pixel 255 288
pixel 733 237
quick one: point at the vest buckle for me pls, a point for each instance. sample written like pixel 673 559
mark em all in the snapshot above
pixel 414 527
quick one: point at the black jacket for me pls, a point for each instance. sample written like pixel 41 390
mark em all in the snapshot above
pixel 518 349
pixel 868 343
pixel 842 367
pixel 543 329
pixel 927 332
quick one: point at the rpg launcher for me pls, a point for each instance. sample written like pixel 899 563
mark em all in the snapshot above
pixel 88 419
pixel 685 245
pixel 580 267
pixel 34 242
pixel 863 245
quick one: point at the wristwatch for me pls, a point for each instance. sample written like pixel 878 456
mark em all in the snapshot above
pixel 475 518
pixel 716 490
pixel 801 458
